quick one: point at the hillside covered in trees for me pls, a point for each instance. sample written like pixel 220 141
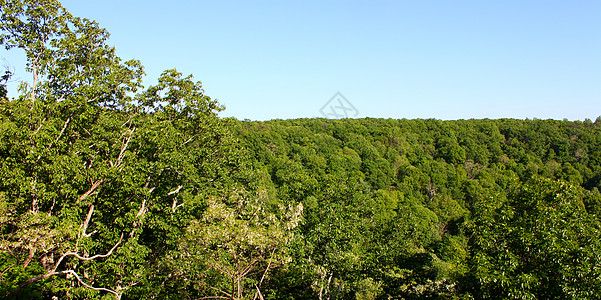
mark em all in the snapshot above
pixel 109 189
pixel 426 208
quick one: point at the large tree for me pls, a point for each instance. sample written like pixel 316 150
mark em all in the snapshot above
pixel 97 181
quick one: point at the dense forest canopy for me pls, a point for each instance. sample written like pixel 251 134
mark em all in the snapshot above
pixel 112 190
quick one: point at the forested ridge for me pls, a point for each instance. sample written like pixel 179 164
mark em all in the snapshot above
pixel 429 208
pixel 113 190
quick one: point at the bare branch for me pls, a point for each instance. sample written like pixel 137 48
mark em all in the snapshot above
pixel 63 130
pixel 93 99
pixel 174 206
pixel 189 140
pixel 87 221
pixel 35 78
pixel 62 97
pixel 223 292
pixel 5 270
pixel 90 258
pixel 258 294
pixel 91 190
pixel 142 209
pixel 147 183
pixel 29 257
pixel 175 191
pixel 91 287
pixel 39 127
pixel 268 266
pixel 128 120
pixel 248 269
pixel 229 296
pixel 54 272
pixel 124 147
pixel 220 267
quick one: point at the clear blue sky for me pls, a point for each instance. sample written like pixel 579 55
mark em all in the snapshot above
pixel 391 59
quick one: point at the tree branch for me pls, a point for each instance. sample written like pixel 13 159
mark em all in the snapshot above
pixel 87 221
pixel 174 206
pixel 62 131
pixel 39 127
pixel 54 272
pixel 179 187
pixel 89 258
pixel 124 147
pixel 91 190
pixel 31 280
pixel 91 287
pixel 189 140
pixel 229 296
pixel 268 266
pixel 258 294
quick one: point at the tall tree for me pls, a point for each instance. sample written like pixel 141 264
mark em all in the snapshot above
pixel 96 182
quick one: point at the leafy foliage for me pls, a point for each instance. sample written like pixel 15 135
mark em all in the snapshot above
pixel 390 203
pixel 112 190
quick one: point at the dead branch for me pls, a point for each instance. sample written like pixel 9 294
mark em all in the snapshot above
pixel 248 269
pixel 258 293
pixel 93 99
pixel 34 195
pixel 35 79
pixel 6 270
pixel 143 208
pixel 220 267
pixel 29 257
pixel 229 296
pixel 174 206
pixel 62 97
pixel 268 266
pixel 147 183
pixel 223 292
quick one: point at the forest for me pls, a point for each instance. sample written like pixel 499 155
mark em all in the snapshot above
pixel 113 190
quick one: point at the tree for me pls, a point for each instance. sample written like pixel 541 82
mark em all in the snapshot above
pixel 67 56
pixel 96 182
pixel 540 244
pixel 3 80
pixel 229 252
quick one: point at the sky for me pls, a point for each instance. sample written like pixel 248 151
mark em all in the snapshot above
pixel 382 59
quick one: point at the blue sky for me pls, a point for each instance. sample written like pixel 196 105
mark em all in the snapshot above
pixel 390 59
